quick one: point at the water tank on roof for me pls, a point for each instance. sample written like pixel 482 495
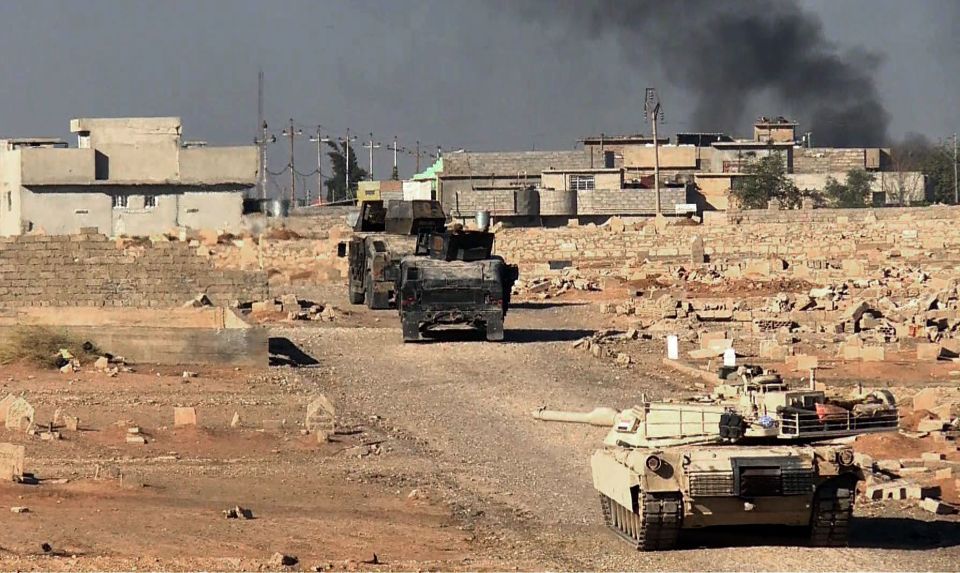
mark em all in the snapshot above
pixel 558 202
pixel 528 202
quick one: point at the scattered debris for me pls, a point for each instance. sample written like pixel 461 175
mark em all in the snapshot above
pixel 238 512
pixel 280 560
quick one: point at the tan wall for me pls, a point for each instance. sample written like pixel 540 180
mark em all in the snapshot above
pixel 715 191
pixel 10 203
pixel 211 210
pixel 64 213
pixel 219 165
pixel 53 166
pixel 144 150
pixel 671 156
pixel 137 220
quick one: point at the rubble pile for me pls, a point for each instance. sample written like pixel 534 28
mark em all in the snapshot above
pixel 297 309
pixel 602 344
pixel 543 287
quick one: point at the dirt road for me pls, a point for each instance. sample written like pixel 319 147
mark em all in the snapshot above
pixel 468 404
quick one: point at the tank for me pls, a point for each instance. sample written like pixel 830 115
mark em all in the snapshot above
pixel 666 467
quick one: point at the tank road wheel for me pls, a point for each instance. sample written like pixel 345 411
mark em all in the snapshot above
pixel 411 329
pixel 831 513
pixel 656 527
pixel 494 327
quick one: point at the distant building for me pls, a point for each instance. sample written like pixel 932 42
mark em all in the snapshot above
pixel 127 176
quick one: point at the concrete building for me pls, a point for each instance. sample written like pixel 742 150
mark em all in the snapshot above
pixel 127 176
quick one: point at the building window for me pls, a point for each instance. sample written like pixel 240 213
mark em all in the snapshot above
pixel 149 201
pixel 119 201
pixel 581 183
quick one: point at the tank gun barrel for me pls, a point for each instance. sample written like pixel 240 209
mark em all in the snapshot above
pixel 596 417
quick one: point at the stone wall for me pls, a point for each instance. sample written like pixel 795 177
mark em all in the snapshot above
pixel 629 201
pixel 90 270
pixel 815 236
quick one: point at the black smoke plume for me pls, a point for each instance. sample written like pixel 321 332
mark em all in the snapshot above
pixel 724 53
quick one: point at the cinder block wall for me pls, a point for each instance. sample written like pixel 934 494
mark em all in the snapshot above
pixel 90 270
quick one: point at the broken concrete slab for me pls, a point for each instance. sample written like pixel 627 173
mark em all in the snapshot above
pixel 208 335
pixel 929 425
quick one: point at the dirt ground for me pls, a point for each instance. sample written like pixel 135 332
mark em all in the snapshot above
pixel 437 463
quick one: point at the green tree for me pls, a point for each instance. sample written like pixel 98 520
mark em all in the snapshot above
pixel 766 180
pixel 855 193
pixel 336 184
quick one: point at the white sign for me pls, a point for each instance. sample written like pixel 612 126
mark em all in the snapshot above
pixel 673 347
pixel 729 357
pixel 682 208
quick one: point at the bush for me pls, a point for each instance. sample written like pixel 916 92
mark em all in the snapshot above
pixel 40 346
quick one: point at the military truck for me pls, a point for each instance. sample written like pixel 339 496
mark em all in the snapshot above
pixel 384 233
pixel 665 467
pixel 453 278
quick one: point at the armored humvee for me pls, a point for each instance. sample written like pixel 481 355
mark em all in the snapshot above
pixel 668 466
pixel 453 278
pixel 385 232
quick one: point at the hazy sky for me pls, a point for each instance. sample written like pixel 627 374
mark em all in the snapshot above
pixel 462 74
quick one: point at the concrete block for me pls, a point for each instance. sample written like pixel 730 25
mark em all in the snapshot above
pixel 945 473
pixel 935 506
pixel 184 417
pixel 928 457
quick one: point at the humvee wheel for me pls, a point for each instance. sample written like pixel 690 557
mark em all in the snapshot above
pixel 356 297
pixel 655 528
pixel 494 330
pixel 830 515
pixel 411 330
pixel 355 291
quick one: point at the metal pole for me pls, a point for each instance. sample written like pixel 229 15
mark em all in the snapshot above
pixel 656 158
pixel 395 174
pixel 346 168
pixel 293 174
pixel 319 166
pixel 370 173
pixel 418 156
pixel 263 160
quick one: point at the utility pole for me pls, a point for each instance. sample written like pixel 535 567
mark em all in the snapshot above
pixel 292 133
pixel 395 174
pixel 652 111
pixel 371 146
pixel 346 168
pixel 418 156
pixel 319 140
pixel 261 142
pixel 956 194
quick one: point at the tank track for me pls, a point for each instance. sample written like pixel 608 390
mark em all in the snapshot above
pixel 831 514
pixel 655 528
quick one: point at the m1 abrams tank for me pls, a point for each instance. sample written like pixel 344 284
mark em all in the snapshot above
pixel 665 467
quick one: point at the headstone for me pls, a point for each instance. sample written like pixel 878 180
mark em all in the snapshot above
pixel 19 415
pixel 697 255
pixel 235 421
pixel 673 347
pixel 321 417
pixel 184 417
pixel 11 462
pixel 71 423
pixel 4 405
pixel 729 357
